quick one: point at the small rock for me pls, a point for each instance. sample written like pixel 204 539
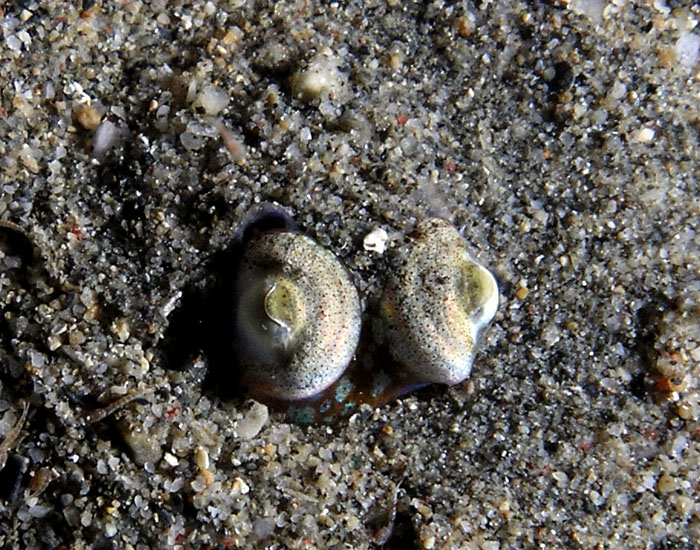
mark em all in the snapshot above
pixel 320 79
pixel 253 421
pixel 121 329
pixel 375 240
pixel 145 448
pixel 239 487
pixel 88 117
pixel 107 136
pixel 688 49
pixel 201 458
pixel 643 135
pixel 213 100
pixel 666 483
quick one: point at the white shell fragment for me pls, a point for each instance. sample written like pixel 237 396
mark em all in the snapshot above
pixel 375 240
pixel 321 78
pixel 213 100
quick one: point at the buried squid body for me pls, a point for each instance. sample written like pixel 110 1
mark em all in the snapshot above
pixel 434 306
pixel 296 319
pixel 436 302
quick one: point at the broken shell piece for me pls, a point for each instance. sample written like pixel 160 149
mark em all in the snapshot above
pixel 375 240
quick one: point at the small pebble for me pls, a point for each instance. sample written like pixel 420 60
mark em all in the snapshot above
pixel 253 421
pixel 375 241
pixel 107 136
pixel 643 135
pixel 688 49
pixel 201 458
pixel 239 487
pixel 88 117
pixel 213 100
pixel 320 78
pixel 666 483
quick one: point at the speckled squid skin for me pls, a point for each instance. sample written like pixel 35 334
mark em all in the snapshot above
pixel 297 317
pixel 433 308
pixel 435 304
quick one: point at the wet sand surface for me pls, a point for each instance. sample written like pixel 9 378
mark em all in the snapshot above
pixel 560 138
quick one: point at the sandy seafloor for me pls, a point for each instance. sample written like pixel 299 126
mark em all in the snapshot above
pixel 561 138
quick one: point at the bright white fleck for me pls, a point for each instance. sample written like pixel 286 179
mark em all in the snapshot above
pixel 643 135
pixel 170 459
pixel 687 49
pixel 213 100
pixel 169 304
pixel 320 78
pixel 375 240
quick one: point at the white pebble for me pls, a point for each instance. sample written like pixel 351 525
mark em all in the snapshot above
pixel 213 100
pixel 106 137
pixel 679 445
pixel 239 487
pixel 37 359
pixel 13 43
pixel 40 510
pixel 643 135
pixel 171 459
pixel 687 49
pixel 176 485
pixel 305 134
pixel 320 78
pixel 590 8
pixel 375 240
pixel 86 518
pixel 254 420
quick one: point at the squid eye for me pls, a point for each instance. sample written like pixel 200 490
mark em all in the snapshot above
pixel 297 316
pixel 435 304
